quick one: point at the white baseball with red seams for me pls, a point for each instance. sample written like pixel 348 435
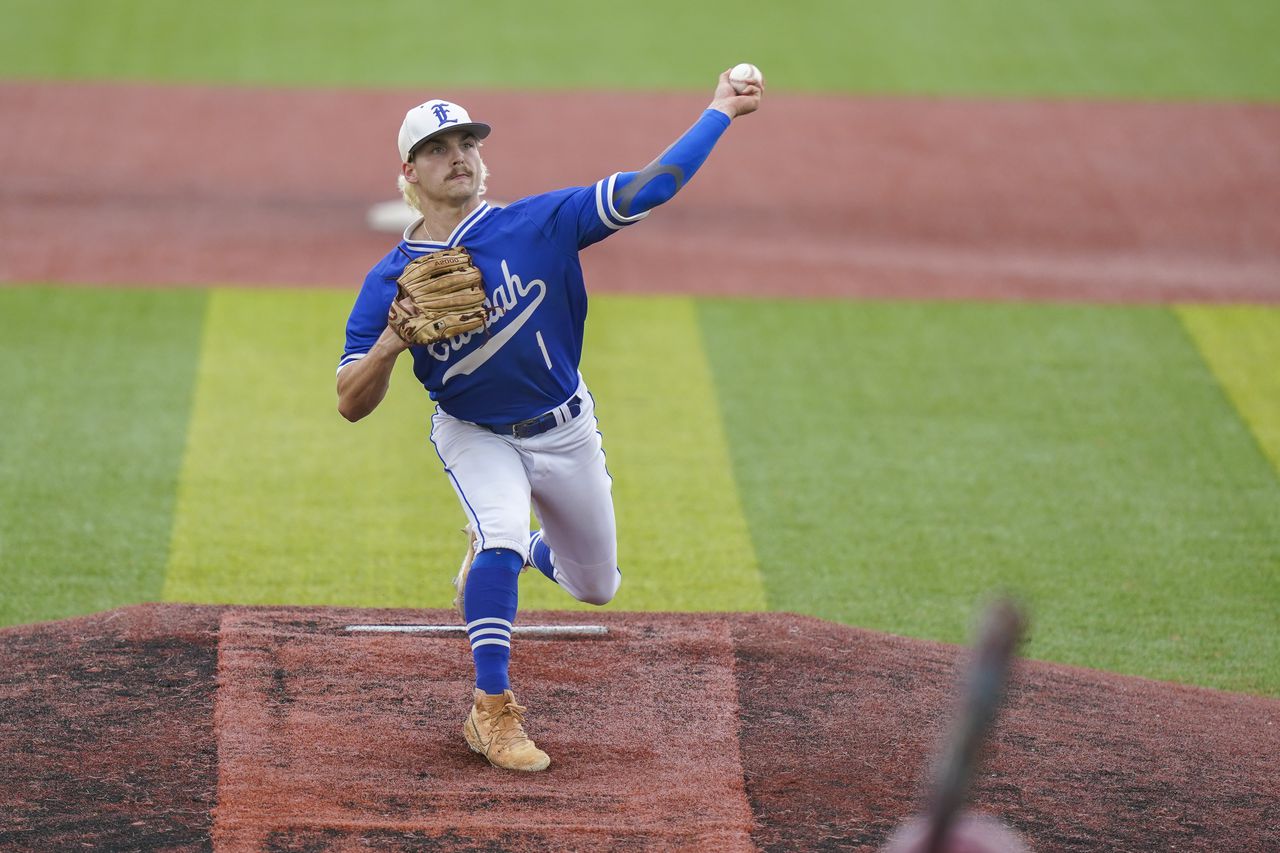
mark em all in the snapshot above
pixel 743 74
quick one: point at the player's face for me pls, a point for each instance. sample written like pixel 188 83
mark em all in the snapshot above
pixel 447 168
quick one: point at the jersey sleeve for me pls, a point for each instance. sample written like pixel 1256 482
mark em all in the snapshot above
pixel 368 316
pixel 633 194
pixel 575 218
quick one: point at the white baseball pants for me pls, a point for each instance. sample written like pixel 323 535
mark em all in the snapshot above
pixel 560 474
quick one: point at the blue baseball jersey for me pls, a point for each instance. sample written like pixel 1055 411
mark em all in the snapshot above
pixel 525 360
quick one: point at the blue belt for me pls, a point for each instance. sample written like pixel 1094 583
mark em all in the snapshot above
pixel 537 426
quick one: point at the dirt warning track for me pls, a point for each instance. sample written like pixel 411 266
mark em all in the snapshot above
pixel 812 196
pixel 184 727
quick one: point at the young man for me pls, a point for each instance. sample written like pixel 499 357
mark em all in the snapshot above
pixel 514 423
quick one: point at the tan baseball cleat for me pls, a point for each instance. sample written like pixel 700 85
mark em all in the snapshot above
pixel 460 581
pixel 495 729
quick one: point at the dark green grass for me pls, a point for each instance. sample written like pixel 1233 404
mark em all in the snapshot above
pixel 900 462
pixel 893 465
pixel 94 398
pixel 1092 48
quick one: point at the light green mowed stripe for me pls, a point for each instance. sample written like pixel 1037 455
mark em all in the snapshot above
pixel 94 398
pixel 282 501
pixel 1241 343
pixel 682 538
pixel 899 462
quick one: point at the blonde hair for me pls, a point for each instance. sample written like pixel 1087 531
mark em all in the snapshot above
pixel 409 192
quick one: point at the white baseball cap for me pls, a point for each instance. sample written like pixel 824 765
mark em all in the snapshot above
pixel 426 120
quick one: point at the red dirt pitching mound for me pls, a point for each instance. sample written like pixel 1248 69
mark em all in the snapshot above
pixel 323 731
pixel 106 728
pixel 183 727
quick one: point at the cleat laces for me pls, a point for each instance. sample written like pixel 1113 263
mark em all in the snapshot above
pixel 508 726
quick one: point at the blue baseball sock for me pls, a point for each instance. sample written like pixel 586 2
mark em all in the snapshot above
pixel 540 555
pixel 490 601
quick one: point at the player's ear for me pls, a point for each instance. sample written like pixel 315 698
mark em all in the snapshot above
pixel 409 172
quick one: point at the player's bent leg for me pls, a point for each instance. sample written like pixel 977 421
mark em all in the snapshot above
pixel 589 584
pixel 578 552
pixel 572 497
pixel 592 586
pixel 540 556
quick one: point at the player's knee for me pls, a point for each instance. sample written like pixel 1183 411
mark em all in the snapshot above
pixel 601 594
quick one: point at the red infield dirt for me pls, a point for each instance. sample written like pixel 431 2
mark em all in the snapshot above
pixel 812 196
pixel 183 727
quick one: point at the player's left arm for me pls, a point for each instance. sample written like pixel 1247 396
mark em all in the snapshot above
pixel 635 193
pixel 362 384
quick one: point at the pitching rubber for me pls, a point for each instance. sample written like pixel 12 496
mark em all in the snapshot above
pixel 523 630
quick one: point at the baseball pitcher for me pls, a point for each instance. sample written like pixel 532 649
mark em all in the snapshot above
pixel 490 302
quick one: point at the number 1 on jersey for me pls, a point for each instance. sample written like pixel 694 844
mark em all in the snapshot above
pixel 542 346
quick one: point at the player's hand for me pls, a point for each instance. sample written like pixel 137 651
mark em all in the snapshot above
pixel 727 100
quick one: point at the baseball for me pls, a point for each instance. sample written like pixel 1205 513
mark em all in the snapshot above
pixel 743 74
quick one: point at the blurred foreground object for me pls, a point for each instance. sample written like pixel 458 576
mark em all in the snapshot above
pixel 946 828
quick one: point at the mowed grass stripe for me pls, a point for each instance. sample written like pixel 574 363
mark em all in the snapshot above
pixel 683 541
pixel 1241 344
pixel 282 501
pixel 94 399
pixel 1096 48
pixel 899 462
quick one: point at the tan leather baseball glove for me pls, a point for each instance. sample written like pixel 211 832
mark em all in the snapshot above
pixel 440 295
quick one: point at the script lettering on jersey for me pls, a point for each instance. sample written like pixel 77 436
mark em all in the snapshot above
pixel 509 296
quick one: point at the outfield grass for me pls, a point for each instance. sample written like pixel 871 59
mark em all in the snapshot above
pixel 682 537
pixel 1089 48
pixel 899 462
pixel 282 501
pixel 884 465
pixel 1242 345
pixel 94 397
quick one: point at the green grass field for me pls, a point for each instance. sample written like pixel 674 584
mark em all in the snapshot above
pixel 891 467
pixel 1088 48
